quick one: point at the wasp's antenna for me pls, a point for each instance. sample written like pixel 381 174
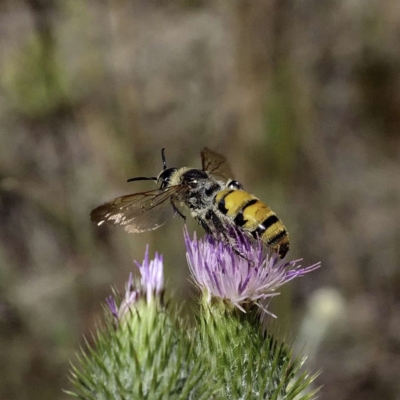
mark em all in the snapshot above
pixel 163 159
pixel 142 178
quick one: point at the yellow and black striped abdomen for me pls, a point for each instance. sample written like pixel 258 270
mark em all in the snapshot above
pixel 231 201
pixel 255 217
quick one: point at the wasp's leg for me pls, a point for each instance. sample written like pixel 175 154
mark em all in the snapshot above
pixel 220 230
pixel 232 184
pixel 177 210
pixel 283 249
pixel 215 225
pixel 205 226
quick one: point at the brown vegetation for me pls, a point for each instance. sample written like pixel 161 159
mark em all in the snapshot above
pixel 303 97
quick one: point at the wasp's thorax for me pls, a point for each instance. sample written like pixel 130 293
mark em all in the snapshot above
pixel 201 187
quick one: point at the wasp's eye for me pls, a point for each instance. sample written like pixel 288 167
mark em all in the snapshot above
pixel 164 184
pixel 193 183
pixel 164 178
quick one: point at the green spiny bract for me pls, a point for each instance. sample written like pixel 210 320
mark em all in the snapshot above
pixel 146 356
pixel 247 362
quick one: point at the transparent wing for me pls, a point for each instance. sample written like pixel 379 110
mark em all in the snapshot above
pixel 215 163
pixel 138 212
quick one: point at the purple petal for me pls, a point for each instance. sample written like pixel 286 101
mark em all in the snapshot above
pixel 250 277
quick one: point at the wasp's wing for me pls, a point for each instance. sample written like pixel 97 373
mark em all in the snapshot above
pixel 138 212
pixel 215 163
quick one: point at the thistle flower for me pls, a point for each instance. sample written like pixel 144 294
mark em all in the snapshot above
pixel 151 286
pixel 152 282
pixel 149 353
pixel 246 275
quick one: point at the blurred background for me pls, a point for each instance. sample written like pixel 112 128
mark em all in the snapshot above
pixel 302 96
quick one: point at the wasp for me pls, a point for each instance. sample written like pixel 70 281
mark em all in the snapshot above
pixel 219 205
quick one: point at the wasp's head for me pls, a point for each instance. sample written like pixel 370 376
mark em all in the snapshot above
pixel 164 178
